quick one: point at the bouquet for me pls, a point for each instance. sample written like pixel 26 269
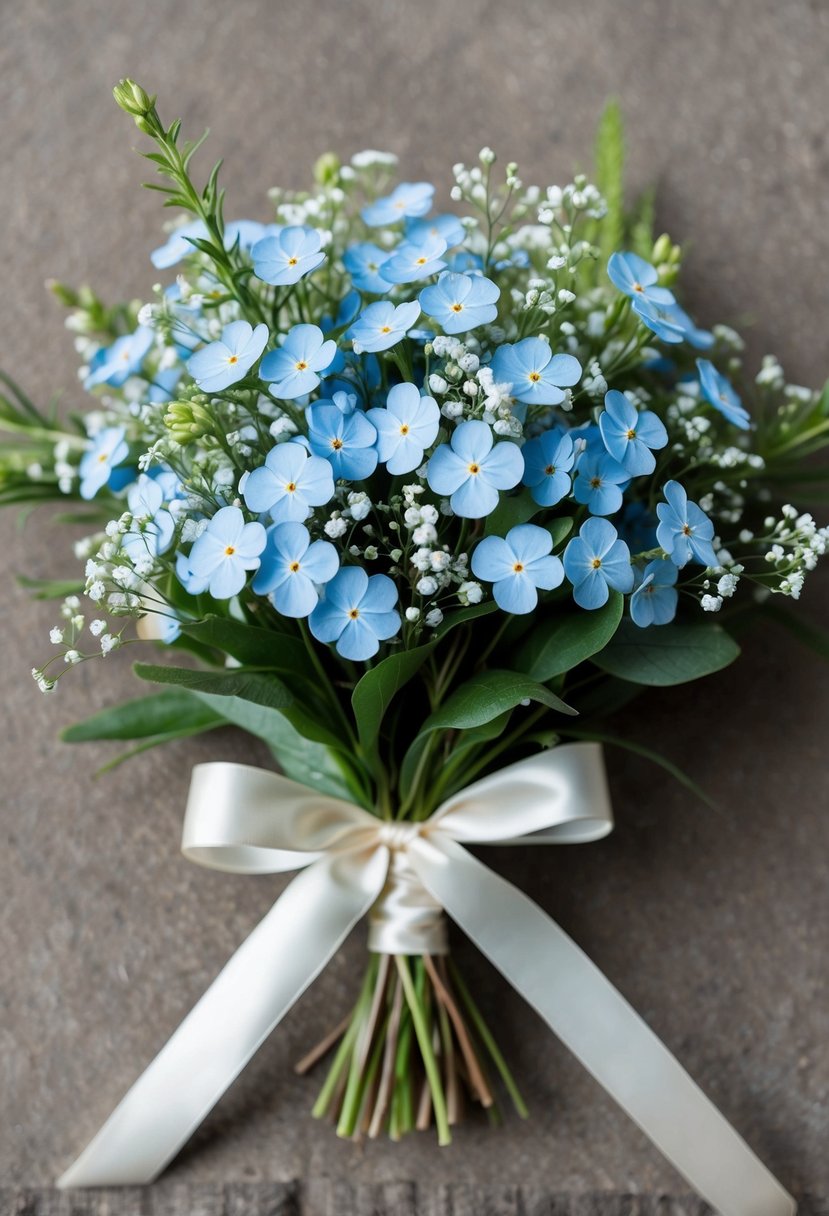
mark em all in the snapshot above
pixel 419 499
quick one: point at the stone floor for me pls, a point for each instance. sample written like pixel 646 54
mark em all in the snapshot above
pixel 713 923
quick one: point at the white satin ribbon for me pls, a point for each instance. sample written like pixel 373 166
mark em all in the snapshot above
pixel 249 821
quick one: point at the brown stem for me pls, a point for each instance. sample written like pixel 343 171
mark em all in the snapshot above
pixel 322 1048
pixel 384 1089
pixel 476 1076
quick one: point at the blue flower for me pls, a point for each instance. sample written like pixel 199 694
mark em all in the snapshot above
pixel 413 260
pixel 381 325
pixel 409 200
pixel 222 363
pixel 630 435
pixel 637 278
pixel 152 526
pixel 460 302
pixel 357 613
pixel 180 242
pixel 516 565
pixel 405 428
pixel 537 375
pixel 288 256
pixel 599 481
pixel 114 364
pixel 447 226
pixel 292 567
pixel 192 584
pixel 672 324
pixel 720 393
pixel 289 484
pixel 472 470
pixel 225 551
pixel 685 532
pixel 345 440
pixel 363 262
pixel 654 600
pixel 547 463
pixel 596 561
pixel 106 450
pixel 294 367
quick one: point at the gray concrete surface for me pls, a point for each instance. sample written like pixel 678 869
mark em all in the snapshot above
pixel 712 923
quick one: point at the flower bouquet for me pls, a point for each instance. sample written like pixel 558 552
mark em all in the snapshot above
pixel 419 500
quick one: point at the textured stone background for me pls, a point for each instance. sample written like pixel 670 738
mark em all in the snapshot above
pixel 712 923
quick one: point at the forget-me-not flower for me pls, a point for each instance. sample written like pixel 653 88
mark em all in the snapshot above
pixel 287 257
pixel 720 393
pixel 153 525
pixel 547 464
pixel 409 200
pixel 222 363
pixel 637 278
pixel 357 613
pixel 106 450
pixel 225 551
pixel 447 226
pixel 654 600
pixel 413 260
pixel 459 302
pixel 192 583
pixel 471 469
pixel 599 481
pixel 294 368
pixel 405 428
pixel 537 375
pixel 629 435
pixel 345 440
pixel 289 484
pixel 116 363
pixel 382 325
pixel 292 568
pixel 363 262
pixel 685 532
pixel 517 565
pixel 672 324
pixel 595 562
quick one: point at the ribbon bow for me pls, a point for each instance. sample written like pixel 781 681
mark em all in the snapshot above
pixel 249 821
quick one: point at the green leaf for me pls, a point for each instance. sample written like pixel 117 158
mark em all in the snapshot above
pixel 470 613
pixel 160 713
pixel 252 646
pixel 561 642
pixel 377 688
pixel 487 695
pixel 50 589
pixel 512 509
pixel 249 686
pixel 299 758
pixel 479 700
pixel 667 654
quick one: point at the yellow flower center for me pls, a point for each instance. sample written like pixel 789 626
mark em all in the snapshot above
pixel 631 433
pixel 103 458
pixel 292 261
pixel 404 430
pixel 233 359
pixel 457 308
pixel 535 377
pixel 550 469
pixel 638 287
pixel 301 366
pixel 421 262
pixel 336 444
pixel 294 566
pixel 518 567
pixel 229 551
pixel 596 562
pixel 385 329
pixel 290 487
pixel 474 468
pixel 354 613
pixel 687 530
pixel 595 482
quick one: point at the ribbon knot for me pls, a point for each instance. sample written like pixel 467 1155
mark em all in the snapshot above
pixel 398 836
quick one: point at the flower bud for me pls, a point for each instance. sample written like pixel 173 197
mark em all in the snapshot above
pixel 132 98
pixel 187 421
pixel 327 169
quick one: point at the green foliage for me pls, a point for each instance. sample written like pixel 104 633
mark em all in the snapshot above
pixel 667 654
pixel 563 640
pixel 158 714
pixel 377 688
pixel 609 172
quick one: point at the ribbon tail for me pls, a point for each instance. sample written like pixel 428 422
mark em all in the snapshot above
pixel 254 991
pixel 601 1029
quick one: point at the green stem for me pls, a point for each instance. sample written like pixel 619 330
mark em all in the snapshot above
pixel 424 1041
pixel 485 1035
